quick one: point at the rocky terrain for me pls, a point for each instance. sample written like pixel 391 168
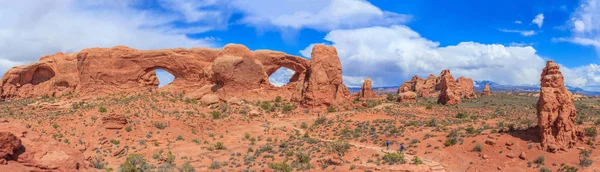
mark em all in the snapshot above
pixel 101 110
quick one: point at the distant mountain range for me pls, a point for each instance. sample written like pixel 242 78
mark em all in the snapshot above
pixel 496 87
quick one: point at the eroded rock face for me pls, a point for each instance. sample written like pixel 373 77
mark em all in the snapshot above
pixel 466 88
pixel 40 153
pixel 449 95
pixel 406 95
pixel 486 90
pixel 556 111
pixel 428 87
pixel 114 121
pixel 234 71
pixel 324 85
pixel 366 90
pixel 9 144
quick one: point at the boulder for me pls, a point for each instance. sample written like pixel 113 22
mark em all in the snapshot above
pixel 9 144
pixel 556 111
pixel 209 99
pixel 366 90
pixel 449 95
pixel 406 95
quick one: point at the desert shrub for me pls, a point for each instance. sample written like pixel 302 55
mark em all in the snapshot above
pixel 135 163
pixel 330 109
pixel 478 148
pixel 566 168
pixel 544 169
pixel 98 163
pixel 220 146
pixel 160 125
pixel 340 147
pixel 591 132
pixel 461 116
pixel 215 114
pixel 416 160
pixel 320 120
pixel 278 99
pixel 214 165
pixel 540 160
pixel 187 167
pixel 280 167
pixel 394 158
pixel 102 109
pixel 584 156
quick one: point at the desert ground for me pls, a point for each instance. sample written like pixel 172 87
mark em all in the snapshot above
pixel 163 131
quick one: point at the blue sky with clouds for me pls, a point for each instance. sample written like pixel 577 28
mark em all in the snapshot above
pixel 387 40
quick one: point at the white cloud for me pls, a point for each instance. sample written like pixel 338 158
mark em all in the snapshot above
pixel 281 76
pixel 587 77
pixel 518 22
pixel 323 15
pixel 520 44
pixel 31 29
pixel 393 54
pixel 522 32
pixel 538 20
pixel 585 23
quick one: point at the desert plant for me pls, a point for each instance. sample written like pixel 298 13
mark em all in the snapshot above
pixel 477 148
pixel 394 158
pixel 98 162
pixel 135 163
pixel 280 167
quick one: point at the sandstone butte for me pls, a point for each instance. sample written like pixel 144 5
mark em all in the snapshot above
pixel 433 87
pixel 486 90
pixel 556 111
pixel 366 91
pixel 406 95
pixel 231 73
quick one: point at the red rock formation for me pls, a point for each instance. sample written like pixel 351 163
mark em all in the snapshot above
pixel 415 84
pixel 366 90
pixel 9 144
pixel 406 95
pixel 486 90
pixel 324 85
pixel 449 95
pixel 233 72
pixel 114 121
pixel 466 87
pixel 39 153
pixel 556 111
pixel 428 86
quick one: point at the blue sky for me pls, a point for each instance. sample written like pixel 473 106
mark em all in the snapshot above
pixel 386 40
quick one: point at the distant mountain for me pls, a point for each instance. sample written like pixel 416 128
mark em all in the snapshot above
pixel 495 87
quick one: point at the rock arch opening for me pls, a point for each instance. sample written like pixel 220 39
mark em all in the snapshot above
pixel 281 77
pixel 41 75
pixel 164 77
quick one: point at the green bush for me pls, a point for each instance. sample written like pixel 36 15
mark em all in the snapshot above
pixel 102 109
pixel 540 160
pixel 220 146
pixel 591 132
pixel 416 160
pixel 135 163
pixel 394 158
pixel 477 148
pixel 98 163
pixel 280 167
pixel 160 125
pixel 330 109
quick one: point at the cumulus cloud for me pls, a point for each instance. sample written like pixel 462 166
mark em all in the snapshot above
pixel 522 32
pixel 585 23
pixel 323 15
pixel 393 54
pixel 281 76
pixel 587 77
pixel 30 29
pixel 518 22
pixel 538 20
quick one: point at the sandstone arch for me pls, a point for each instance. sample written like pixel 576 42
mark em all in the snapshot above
pixel 232 72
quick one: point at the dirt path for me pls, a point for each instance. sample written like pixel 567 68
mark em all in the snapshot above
pixel 435 166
